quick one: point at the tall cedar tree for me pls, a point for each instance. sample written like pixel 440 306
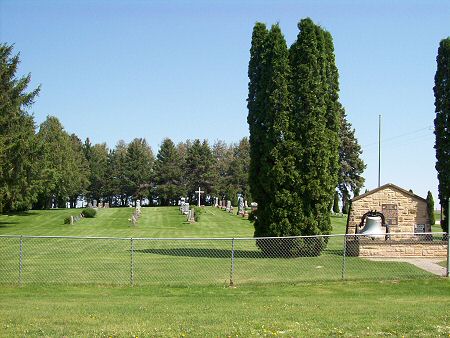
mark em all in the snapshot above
pixel 18 165
pixel 442 126
pixel 271 163
pixel 316 123
pixel 256 113
pixel 168 174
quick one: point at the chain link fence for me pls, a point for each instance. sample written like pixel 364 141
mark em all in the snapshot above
pixel 220 261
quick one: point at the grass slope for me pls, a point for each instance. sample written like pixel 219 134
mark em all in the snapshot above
pixel 406 308
pixel 162 262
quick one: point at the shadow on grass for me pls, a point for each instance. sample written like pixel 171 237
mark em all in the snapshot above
pixel 7 224
pixel 22 213
pixel 205 253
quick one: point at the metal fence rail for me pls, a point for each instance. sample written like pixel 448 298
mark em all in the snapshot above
pixel 223 261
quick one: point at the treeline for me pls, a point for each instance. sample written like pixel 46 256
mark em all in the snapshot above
pixel 47 167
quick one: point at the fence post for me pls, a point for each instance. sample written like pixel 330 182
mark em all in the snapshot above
pixel 232 263
pixel 344 253
pixel 20 260
pixel 131 262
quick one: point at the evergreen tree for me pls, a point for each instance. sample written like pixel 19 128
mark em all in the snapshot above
pixel 198 169
pixel 60 175
pixel 442 126
pixel 430 208
pixel 18 166
pixel 168 174
pixel 139 174
pixel 116 172
pixel 239 167
pixel 222 185
pixel 351 164
pixel 79 171
pixel 256 112
pixel 271 163
pixel 98 165
pixel 316 115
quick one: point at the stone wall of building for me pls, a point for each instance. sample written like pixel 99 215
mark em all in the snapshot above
pixel 396 249
pixel 411 209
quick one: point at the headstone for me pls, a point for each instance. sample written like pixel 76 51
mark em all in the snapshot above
pixel 245 204
pixel 106 205
pixel 228 206
pixel 94 203
pixel 216 202
pixel 254 206
pixel 241 205
pixel 89 205
pixel 191 216
pixel 71 220
pixel 185 208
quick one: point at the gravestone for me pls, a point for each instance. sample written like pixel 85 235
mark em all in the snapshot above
pixel 94 203
pixel 228 206
pixel 254 206
pixel 191 216
pixel 106 205
pixel 245 204
pixel 241 209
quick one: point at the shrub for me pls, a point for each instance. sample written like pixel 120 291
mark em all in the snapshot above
pixel 89 213
pixel 197 213
pixel 67 220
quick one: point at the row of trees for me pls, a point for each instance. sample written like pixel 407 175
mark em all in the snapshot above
pixel 47 167
pixel 302 148
pixel 51 167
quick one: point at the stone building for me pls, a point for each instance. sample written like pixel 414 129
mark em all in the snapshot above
pixel 404 211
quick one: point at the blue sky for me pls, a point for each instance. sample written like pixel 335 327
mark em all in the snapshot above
pixel 114 70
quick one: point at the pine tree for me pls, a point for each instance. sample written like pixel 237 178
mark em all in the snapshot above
pixel 430 208
pixel 198 169
pixel 442 126
pixel 139 166
pixel 168 174
pixel 351 164
pixel 18 166
pixel 61 176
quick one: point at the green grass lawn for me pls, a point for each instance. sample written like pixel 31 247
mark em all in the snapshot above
pixel 80 287
pixel 170 261
pixel 405 308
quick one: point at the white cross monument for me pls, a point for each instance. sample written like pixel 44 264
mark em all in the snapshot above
pixel 199 192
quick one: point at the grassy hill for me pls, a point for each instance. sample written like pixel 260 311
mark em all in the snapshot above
pixel 113 222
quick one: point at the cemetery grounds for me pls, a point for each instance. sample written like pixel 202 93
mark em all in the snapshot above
pixel 259 304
